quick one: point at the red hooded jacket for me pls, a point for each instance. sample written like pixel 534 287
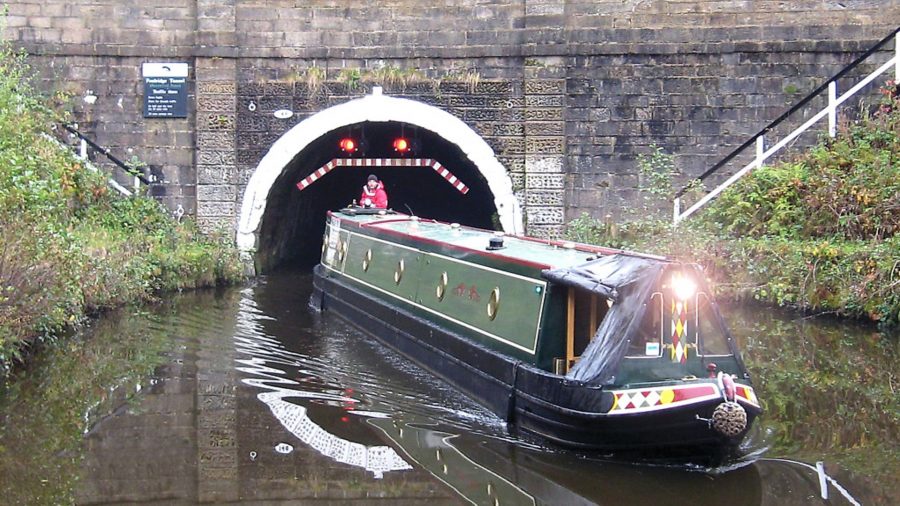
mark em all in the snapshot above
pixel 374 198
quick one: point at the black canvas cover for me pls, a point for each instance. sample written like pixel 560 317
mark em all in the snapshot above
pixel 628 281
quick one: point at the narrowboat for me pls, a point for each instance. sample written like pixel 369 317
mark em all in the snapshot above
pixel 585 347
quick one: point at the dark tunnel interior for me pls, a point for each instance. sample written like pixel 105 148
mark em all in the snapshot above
pixel 290 236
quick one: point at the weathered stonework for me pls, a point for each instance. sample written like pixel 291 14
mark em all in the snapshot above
pixel 543 165
pixel 216 174
pixel 544 114
pixel 544 87
pixel 544 198
pixel 213 192
pixel 545 215
pixel 514 164
pixel 214 140
pixel 210 157
pixel 217 121
pixel 216 209
pixel 553 232
pixel 215 103
pixel 535 101
pixel 566 94
pixel 545 147
pixel 504 129
pixel 224 224
pixel 518 183
pixel 217 189
pixel 508 145
pixel 545 128
pixel 216 88
pixel 544 181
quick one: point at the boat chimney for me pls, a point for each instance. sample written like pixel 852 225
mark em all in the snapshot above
pixel 495 243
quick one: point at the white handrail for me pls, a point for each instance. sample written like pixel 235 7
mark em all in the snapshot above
pixel 829 111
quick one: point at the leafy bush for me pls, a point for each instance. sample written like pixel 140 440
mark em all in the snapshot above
pixel 70 246
pixel 768 202
pixel 847 187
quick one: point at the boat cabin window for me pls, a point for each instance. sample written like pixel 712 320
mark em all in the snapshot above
pixel 711 337
pixel 701 330
pixel 648 342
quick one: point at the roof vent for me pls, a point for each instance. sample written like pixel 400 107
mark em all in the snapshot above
pixel 495 243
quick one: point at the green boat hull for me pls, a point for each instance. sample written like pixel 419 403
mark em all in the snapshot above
pixel 487 322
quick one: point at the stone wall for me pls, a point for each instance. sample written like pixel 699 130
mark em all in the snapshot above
pixel 571 92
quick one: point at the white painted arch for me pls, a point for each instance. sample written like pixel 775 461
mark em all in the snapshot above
pixel 376 108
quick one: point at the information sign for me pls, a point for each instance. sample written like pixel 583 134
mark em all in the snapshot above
pixel 165 90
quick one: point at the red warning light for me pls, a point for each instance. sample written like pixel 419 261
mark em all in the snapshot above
pixel 401 145
pixel 348 145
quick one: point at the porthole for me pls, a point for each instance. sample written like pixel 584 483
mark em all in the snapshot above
pixel 493 305
pixel 398 274
pixel 442 286
pixel 367 260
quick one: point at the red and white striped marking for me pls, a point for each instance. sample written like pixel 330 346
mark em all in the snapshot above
pixel 384 162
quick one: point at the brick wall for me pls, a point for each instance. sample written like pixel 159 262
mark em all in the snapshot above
pixel 588 85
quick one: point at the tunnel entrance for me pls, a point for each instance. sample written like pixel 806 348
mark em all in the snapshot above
pixel 291 230
pixel 281 226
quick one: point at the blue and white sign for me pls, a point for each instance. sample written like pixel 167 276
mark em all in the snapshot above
pixel 165 90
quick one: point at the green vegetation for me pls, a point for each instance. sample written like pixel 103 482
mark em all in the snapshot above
pixel 71 246
pixel 388 76
pixel 820 233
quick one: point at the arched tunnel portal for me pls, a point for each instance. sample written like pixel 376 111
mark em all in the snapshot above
pixel 281 226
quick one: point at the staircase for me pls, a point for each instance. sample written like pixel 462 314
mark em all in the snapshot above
pixel 86 143
pixel 759 140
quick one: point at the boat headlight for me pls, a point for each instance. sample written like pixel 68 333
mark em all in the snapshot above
pixel 683 286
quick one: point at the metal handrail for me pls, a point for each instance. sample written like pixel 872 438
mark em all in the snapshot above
pixel 759 139
pixel 138 176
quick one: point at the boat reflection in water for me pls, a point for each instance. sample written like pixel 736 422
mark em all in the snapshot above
pixel 348 397
pixel 480 465
pixel 292 403
pixel 479 469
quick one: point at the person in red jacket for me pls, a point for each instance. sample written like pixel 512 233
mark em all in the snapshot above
pixel 373 194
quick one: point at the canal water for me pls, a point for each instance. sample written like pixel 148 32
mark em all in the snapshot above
pixel 245 395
